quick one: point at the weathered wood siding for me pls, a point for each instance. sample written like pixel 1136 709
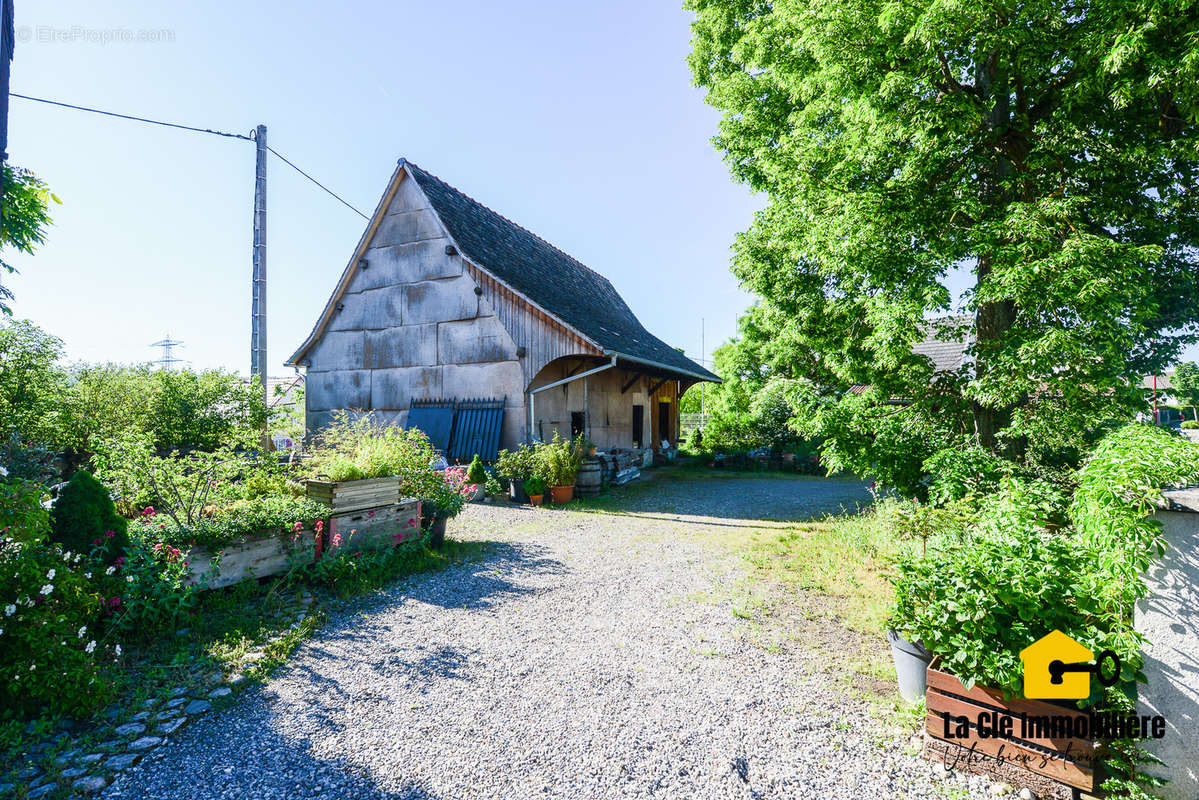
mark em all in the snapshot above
pixel 412 325
pixel 609 412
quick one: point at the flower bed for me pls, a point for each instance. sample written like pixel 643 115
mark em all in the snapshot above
pixel 376 527
pixel 252 556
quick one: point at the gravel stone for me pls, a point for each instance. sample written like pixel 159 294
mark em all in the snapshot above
pixel 140 716
pixel 178 691
pixel 42 791
pixel 176 702
pixel 145 743
pixel 129 729
pixel 88 785
pixel 122 761
pixel 584 655
pixel 197 707
pixel 91 758
pixel 171 726
pixel 73 772
pixel 223 691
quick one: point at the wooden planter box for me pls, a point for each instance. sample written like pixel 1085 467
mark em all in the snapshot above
pixel 1068 760
pixel 250 556
pixel 375 527
pixel 346 496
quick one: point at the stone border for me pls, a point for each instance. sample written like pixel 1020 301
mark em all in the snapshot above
pixel 127 738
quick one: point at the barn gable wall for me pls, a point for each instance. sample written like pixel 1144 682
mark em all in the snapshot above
pixel 412 325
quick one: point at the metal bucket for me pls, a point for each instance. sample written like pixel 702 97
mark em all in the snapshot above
pixel 911 667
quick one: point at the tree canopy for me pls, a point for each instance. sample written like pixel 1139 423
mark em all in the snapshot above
pixel 1047 149
pixel 24 217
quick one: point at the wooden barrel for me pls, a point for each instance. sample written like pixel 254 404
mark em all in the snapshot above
pixel 589 479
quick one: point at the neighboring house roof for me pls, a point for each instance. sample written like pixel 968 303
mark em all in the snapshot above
pixel 947 355
pixel 579 296
pixel 559 284
pixel 1163 382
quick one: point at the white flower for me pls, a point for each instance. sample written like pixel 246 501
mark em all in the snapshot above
pixel 87 575
pixel 66 556
pixel 82 630
pixel 129 578
pixel 1 631
pixel 46 589
pixel 9 610
pixel 110 570
pixel 50 575
pixel 90 646
pixel 3 472
pixel 118 649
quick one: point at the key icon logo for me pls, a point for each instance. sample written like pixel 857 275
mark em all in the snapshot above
pixel 1056 667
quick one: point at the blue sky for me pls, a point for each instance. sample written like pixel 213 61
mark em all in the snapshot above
pixel 577 121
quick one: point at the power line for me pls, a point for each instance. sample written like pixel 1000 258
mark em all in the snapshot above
pixel 250 138
pixel 318 183
pixel 135 119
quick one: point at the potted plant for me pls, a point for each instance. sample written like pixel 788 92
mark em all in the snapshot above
pixel 476 476
pixel 517 466
pixel 444 500
pixel 560 460
pixel 357 464
pixel 587 446
pixel 535 487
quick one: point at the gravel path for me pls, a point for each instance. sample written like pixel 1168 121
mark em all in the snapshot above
pixel 578 659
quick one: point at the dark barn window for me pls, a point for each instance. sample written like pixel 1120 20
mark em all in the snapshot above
pixel 663 422
pixel 638 425
pixel 577 423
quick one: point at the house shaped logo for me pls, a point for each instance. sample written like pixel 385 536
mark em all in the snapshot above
pixel 1057 668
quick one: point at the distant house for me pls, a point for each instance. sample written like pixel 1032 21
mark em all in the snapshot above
pixel 452 318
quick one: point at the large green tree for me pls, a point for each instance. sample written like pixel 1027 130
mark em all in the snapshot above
pixel 1046 149
pixel 24 217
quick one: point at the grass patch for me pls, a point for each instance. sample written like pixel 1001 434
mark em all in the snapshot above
pixel 844 558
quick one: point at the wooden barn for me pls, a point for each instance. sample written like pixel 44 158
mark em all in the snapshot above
pixel 452 318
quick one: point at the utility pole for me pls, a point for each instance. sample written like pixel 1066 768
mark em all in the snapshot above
pixel 7 44
pixel 258 362
pixel 703 357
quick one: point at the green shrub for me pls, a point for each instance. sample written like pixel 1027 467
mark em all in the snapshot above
pixel 535 486
pixel 354 449
pixel 517 465
pixel 1190 424
pixel 963 470
pixel 144 596
pixel 475 473
pixel 52 652
pixel 85 519
pixel 559 461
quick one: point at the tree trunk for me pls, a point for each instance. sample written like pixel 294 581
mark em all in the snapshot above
pixel 993 318
pixel 991 322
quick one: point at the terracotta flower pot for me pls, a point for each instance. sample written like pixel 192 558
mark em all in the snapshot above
pixel 561 494
pixel 535 499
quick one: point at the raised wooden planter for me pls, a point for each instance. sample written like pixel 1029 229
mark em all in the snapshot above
pixel 375 527
pixel 251 556
pixel 1068 760
pixel 346 496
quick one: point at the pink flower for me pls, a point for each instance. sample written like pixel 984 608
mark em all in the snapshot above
pixel 371 513
pixel 298 526
pixel 120 562
pixel 149 511
pixel 109 535
pixel 336 540
pixel 95 542
pixel 113 602
pixel 320 525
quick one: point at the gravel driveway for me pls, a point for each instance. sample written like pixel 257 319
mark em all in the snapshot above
pixel 578 659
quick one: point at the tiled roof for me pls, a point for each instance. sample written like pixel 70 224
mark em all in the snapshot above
pixel 561 285
pixel 947 355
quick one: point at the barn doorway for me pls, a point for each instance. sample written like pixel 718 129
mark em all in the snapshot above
pixel 578 424
pixel 638 425
pixel 664 422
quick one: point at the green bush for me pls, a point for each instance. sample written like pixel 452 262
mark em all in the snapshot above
pixel 1033 562
pixel 962 470
pixel 354 449
pixel 475 473
pixel 559 461
pixel 535 486
pixel 1190 424
pixel 144 595
pixel 517 465
pixel 52 652
pixel 86 519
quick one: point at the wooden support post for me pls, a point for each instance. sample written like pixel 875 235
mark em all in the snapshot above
pixel 629 385
pixel 656 387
